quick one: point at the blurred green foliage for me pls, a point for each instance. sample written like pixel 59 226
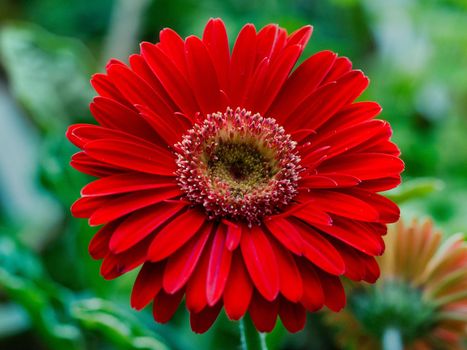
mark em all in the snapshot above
pixel 415 53
pixel 394 302
pixel 48 74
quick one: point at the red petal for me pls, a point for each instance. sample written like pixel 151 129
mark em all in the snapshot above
pixel 313 157
pixel 313 296
pixel 372 268
pixel 326 101
pixel 133 156
pixel 114 61
pixel 379 228
pixel 350 115
pixel 136 90
pixel 271 41
pixel 382 184
pixel 147 285
pixel 165 68
pixel 356 235
pixel 165 305
pixel 260 261
pixel 388 211
pixel 342 65
pixel 141 224
pixel 173 46
pixel 285 233
pixel 278 73
pixel 203 77
pixel 340 204
pixel 289 277
pixel 215 39
pixel 242 63
pixel 122 183
pixel 82 134
pixel 196 287
pixel 86 206
pixel 238 290
pixel 378 145
pixel 170 129
pixel 180 266
pixel 76 139
pixel 200 322
pixel 302 82
pixel 141 68
pixel 313 213
pixel 351 137
pixel 219 267
pixel 114 115
pixel 175 234
pixel 128 203
pixel 115 265
pixel 355 269
pixel 263 313
pixel 302 136
pixel 234 233
pixel 104 87
pixel 365 166
pixel 82 162
pixel 319 250
pixel 301 36
pixel 329 181
pixel 99 245
pixel 334 294
pixel 254 89
pixel 293 316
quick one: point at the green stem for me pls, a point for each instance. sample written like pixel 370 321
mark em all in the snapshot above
pixel 241 326
pixel 262 340
pixel 125 23
pixel 250 338
pixel 392 339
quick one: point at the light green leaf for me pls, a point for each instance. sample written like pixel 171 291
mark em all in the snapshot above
pixel 413 189
pixel 48 74
pixel 13 319
pixel 117 325
pixel 42 299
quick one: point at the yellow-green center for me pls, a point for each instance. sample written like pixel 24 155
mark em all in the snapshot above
pixel 241 166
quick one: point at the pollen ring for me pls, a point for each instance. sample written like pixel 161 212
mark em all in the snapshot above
pixel 238 165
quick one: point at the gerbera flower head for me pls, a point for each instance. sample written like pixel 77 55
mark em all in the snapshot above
pixel 236 181
pixel 421 293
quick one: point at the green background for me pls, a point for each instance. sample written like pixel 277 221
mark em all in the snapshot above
pixel 51 295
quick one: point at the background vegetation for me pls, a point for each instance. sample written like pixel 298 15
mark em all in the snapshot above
pixel 51 295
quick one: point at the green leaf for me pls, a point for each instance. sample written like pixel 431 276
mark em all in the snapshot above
pixel 13 319
pixel 43 300
pixel 115 324
pixel 413 189
pixel 48 74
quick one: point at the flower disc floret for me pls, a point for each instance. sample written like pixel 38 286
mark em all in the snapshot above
pixel 238 165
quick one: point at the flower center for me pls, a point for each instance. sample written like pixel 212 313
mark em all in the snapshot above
pixel 241 166
pixel 238 166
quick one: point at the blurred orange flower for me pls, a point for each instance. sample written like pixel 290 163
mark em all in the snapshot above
pixel 421 295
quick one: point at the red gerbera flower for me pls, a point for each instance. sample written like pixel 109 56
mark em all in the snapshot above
pixel 234 181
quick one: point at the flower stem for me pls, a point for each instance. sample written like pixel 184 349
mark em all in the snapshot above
pixel 125 23
pixel 241 325
pixel 250 338
pixel 392 339
pixel 262 340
